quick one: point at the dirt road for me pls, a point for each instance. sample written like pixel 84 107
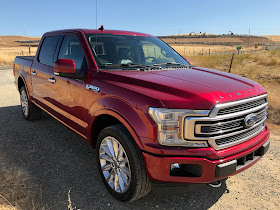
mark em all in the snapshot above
pixel 59 160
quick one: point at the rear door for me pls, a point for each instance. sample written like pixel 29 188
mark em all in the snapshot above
pixel 42 72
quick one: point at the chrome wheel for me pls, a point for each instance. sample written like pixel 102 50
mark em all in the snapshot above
pixel 24 102
pixel 114 164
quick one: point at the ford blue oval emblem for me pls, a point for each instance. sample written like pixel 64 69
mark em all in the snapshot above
pixel 250 120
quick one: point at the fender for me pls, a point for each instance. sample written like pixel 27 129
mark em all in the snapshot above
pixel 24 77
pixel 126 114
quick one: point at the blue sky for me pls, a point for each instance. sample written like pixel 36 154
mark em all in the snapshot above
pixel 156 17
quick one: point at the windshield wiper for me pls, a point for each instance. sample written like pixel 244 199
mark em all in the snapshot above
pixel 171 64
pixel 140 67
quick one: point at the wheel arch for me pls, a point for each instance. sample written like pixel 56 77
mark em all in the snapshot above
pixel 105 118
pixel 21 81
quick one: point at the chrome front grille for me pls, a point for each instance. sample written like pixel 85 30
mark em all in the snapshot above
pixel 228 129
pixel 216 128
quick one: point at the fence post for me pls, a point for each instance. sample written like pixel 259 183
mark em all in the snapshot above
pixel 209 51
pixel 231 63
pixel 29 50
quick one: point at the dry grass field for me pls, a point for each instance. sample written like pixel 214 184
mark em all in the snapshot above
pixel 275 38
pixel 10 48
pixel 188 49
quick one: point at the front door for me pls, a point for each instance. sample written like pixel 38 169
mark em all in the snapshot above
pixel 68 93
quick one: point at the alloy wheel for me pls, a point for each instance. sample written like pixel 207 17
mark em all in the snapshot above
pixel 115 164
pixel 24 102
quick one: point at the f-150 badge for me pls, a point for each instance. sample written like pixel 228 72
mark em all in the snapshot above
pixel 93 88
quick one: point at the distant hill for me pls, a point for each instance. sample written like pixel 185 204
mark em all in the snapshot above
pixel 211 39
pixel 17 41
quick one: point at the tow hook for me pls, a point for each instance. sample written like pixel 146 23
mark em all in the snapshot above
pixel 215 184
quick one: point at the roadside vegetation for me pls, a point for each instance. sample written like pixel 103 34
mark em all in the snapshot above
pixel 203 49
pixel 8 54
pixel 17 190
pixel 262 67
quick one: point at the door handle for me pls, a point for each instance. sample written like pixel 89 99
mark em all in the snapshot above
pixel 33 73
pixel 51 80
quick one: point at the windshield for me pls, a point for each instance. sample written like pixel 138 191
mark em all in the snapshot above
pixel 125 51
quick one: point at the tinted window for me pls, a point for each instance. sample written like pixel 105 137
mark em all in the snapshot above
pixel 47 51
pixel 71 49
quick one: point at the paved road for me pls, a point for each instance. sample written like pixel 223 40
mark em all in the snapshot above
pixel 59 160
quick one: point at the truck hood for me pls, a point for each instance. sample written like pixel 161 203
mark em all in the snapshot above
pixel 195 88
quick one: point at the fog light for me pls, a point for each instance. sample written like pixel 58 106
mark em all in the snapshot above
pixel 174 166
pixel 185 170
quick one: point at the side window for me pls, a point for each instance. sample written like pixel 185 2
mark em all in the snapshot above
pixel 71 49
pixel 47 51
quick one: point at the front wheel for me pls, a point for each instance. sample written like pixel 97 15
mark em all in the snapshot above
pixel 29 110
pixel 121 164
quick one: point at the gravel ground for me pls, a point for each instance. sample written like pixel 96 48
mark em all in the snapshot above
pixel 59 160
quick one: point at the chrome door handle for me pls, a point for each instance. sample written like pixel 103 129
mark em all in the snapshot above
pixel 51 80
pixel 33 73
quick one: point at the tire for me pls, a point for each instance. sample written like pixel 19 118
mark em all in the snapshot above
pixel 29 110
pixel 134 182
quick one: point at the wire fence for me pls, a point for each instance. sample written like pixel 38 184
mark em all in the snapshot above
pixel 196 51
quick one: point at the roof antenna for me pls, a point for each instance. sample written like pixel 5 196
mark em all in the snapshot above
pixel 96 32
pixel 96 14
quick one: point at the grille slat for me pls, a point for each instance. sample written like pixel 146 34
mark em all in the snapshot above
pixel 241 107
pixel 239 136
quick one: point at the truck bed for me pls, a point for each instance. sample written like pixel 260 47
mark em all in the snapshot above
pixel 24 61
pixel 26 57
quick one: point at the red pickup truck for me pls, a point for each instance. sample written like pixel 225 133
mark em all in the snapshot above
pixel 152 117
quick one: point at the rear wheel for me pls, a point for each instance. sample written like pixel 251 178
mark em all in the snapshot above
pixel 29 110
pixel 121 164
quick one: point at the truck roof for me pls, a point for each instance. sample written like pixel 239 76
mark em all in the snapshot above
pixel 97 31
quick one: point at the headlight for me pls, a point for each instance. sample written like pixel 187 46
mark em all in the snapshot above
pixel 170 126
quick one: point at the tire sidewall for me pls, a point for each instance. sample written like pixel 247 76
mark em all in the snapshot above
pixel 127 144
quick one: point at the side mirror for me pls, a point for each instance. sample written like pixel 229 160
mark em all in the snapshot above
pixel 64 66
pixel 187 59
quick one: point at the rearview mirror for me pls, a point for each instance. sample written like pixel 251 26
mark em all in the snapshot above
pixel 64 66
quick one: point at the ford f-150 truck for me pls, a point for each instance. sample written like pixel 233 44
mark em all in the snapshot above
pixel 151 116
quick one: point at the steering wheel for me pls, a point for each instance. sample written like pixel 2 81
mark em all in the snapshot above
pixel 150 57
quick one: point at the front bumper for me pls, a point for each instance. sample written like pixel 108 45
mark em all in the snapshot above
pixel 202 170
